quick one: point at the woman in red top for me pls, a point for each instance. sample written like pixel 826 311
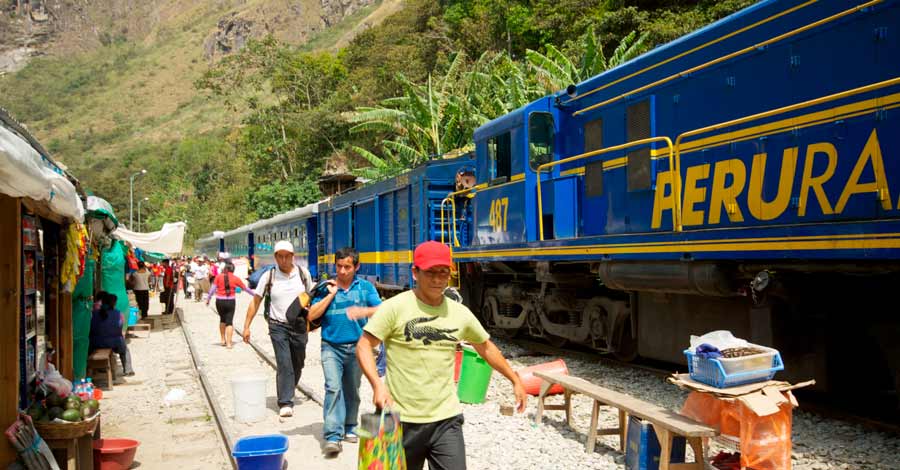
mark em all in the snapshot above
pixel 223 287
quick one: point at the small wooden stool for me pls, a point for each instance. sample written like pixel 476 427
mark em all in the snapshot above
pixel 102 359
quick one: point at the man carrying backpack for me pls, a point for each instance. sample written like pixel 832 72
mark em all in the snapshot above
pixel 279 290
pixel 344 310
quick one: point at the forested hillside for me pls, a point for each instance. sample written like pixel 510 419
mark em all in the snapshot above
pixel 247 133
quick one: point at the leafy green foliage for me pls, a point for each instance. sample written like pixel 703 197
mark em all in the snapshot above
pixel 268 119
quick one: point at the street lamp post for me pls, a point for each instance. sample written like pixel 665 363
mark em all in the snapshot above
pixel 139 212
pixel 131 199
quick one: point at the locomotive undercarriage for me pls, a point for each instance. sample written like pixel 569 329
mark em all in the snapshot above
pixel 811 312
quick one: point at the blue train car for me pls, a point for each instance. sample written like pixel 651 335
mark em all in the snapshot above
pixel 210 245
pixel 299 226
pixel 743 177
pixel 384 221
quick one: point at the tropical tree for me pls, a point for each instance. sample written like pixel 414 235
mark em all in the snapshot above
pixel 555 71
pixel 441 115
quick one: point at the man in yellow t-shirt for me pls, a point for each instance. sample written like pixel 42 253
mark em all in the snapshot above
pixel 421 329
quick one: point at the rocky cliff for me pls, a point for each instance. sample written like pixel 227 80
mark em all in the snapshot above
pixel 34 27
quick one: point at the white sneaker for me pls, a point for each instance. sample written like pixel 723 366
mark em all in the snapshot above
pixel 286 412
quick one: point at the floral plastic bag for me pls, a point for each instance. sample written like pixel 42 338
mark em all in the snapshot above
pixel 381 446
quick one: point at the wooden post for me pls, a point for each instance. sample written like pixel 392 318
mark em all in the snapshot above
pixel 64 352
pixel 10 306
pixel 52 248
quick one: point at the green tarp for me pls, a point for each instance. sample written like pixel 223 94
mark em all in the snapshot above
pixel 112 274
pixel 81 318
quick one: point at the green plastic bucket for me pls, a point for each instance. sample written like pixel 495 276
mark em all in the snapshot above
pixel 474 377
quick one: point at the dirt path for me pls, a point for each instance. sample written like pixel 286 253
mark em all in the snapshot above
pixel 180 433
pixel 304 429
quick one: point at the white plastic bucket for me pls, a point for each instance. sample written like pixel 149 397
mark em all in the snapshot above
pixel 249 398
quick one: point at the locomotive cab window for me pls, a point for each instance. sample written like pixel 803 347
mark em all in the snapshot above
pixel 541 133
pixel 499 156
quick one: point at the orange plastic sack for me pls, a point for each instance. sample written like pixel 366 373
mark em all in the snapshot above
pixel 766 440
pixel 730 424
pixel 704 408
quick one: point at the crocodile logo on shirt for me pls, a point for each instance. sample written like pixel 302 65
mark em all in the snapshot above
pixel 428 334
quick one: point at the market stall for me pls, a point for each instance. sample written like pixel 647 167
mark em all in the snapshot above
pixel 42 255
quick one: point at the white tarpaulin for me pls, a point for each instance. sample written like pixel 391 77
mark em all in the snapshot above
pixel 167 241
pixel 24 173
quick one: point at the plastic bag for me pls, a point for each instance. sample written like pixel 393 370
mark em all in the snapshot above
pixel 724 415
pixel 766 440
pixel 382 447
pixel 52 379
pixel 722 339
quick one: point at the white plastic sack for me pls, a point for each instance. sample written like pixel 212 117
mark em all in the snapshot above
pixel 721 339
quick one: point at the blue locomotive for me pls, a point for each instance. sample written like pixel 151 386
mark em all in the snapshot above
pixel 743 177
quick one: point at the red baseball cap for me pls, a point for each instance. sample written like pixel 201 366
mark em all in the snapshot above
pixel 431 254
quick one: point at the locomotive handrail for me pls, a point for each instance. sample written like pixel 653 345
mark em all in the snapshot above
pixel 732 55
pixel 764 114
pixel 676 222
pixel 451 197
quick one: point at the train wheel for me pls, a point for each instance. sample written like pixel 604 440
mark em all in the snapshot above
pixel 626 346
pixel 555 341
pixel 489 311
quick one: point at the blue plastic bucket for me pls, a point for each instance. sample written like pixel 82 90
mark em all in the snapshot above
pixel 260 452
pixel 133 314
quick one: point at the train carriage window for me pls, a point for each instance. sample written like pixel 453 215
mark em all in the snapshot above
pixel 637 119
pixel 541 133
pixel 500 155
pixel 593 135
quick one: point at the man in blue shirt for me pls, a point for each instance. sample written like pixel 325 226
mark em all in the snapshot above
pixel 345 309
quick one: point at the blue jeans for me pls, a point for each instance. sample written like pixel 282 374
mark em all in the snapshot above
pixel 290 353
pixel 381 361
pixel 342 375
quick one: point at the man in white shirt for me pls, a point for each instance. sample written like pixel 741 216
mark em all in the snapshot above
pixel 283 285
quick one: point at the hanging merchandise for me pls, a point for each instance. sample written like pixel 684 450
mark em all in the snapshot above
pixel 76 251
pixel 113 274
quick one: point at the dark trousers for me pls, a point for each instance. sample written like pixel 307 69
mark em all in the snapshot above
pixel 440 442
pixel 143 300
pixel 290 352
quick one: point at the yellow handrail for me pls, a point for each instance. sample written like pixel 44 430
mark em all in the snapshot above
pixel 676 222
pixel 732 55
pixel 765 114
pixel 450 197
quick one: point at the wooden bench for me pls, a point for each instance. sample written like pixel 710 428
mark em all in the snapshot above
pixel 102 359
pixel 139 330
pixel 667 424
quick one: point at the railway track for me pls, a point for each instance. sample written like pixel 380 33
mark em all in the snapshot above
pixel 226 434
pixel 815 403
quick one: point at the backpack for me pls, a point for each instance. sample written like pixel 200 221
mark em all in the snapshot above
pixel 298 312
pixel 254 278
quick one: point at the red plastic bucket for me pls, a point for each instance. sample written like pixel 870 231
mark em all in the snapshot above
pixel 456 366
pixel 533 384
pixel 114 454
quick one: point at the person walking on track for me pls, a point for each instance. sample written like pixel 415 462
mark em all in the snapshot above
pixel 344 311
pixel 201 275
pixel 141 279
pixel 421 328
pixel 223 288
pixel 283 285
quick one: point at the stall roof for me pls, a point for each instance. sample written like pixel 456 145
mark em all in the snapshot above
pixel 26 170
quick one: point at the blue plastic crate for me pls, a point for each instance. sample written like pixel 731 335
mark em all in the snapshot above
pixel 642 450
pixel 260 452
pixel 711 371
